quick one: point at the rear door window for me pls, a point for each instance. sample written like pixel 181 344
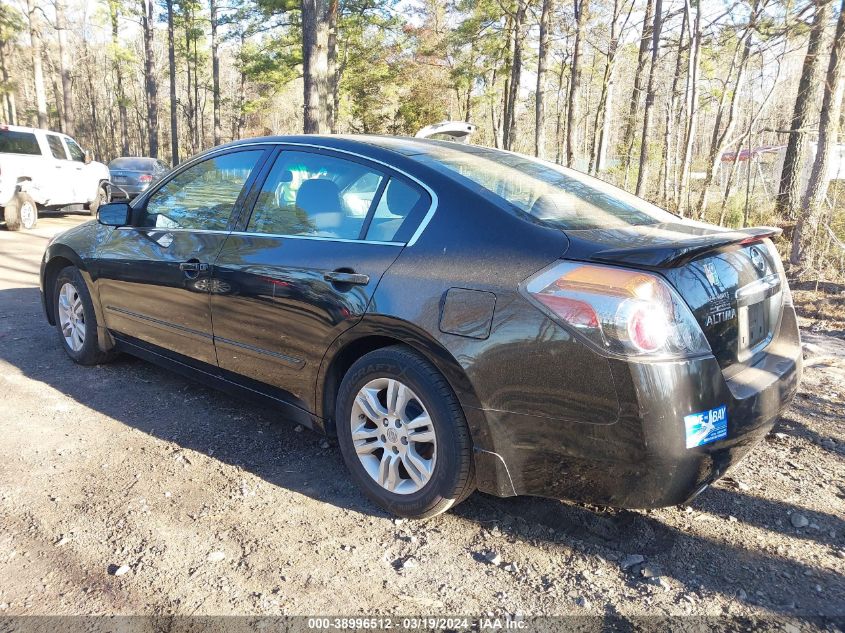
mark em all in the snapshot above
pixel 397 213
pixel 14 142
pixel 315 195
pixel 56 147
pixel 202 196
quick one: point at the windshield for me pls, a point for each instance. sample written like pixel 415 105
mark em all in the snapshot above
pixel 555 195
pixel 133 164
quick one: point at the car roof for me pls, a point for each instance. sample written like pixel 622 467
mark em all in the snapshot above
pixel 21 128
pixel 403 145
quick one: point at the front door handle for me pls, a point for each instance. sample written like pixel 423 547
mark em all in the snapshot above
pixel 193 267
pixel 344 277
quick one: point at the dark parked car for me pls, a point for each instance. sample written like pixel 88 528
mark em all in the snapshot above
pixel 132 176
pixel 461 318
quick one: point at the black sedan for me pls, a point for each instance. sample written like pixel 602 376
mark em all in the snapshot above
pixel 131 176
pixel 460 318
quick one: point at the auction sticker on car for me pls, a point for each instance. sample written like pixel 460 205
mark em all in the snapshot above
pixel 707 426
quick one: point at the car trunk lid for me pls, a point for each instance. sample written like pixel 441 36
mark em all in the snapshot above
pixel 730 279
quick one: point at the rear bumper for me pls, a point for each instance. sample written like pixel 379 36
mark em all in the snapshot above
pixel 641 460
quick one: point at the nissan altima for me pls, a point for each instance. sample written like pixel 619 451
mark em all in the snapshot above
pixel 460 318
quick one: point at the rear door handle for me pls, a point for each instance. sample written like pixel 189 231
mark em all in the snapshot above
pixel 343 277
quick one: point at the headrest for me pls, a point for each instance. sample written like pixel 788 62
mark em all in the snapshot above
pixel 401 198
pixel 318 195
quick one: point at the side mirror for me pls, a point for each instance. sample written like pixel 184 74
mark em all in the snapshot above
pixel 88 157
pixel 114 214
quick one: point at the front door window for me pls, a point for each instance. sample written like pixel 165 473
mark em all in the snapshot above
pixel 203 195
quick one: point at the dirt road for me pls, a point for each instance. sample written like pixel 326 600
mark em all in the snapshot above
pixel 125 489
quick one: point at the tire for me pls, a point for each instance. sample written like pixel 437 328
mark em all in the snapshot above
pixel 21 212
pixel 81 346
pixel 448 473
pixel 102 198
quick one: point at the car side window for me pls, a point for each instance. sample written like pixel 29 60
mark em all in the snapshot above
pixel 203 195
pixel 56 147
pixel 317 195
pixel 74 150
pixel 396 212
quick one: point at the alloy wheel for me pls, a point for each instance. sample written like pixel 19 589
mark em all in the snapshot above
pixel 28 215
pixel 393 436
pixel 72 317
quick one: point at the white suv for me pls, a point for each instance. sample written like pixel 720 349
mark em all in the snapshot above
pixel 43 169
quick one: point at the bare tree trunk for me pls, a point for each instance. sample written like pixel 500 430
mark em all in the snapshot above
pixel 693 66
pixel 92 101
pixel 171 56
pixel 64 66
pixel 150 80
pixel 37 68
pixel 11 106
pixel 241 115
pixel 582 8
pixel 515 77
pixel 314 64
pixel 114 12
pixel 190 106
pixel 805 234
pixel 496 123
pixel 634 107
pixel 669 156
pixel 333 71
pixel 789 191
pixel 721 138
pixel 601 129
pixel 215 72
pixel 562 89
pixel 542 67
pixel 648 112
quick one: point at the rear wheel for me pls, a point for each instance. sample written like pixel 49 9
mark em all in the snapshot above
pixel 403 435
pixel 21 212
pixel 76 321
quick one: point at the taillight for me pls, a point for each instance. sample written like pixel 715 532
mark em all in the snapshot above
pixel 145 178
pixel 621 312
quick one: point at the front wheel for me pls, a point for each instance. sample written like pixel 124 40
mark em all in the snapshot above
pixel 403 435
pixel 76 321
pixel 21 212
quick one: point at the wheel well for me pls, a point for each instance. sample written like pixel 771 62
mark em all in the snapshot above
pixel 55 265
pixel 341 363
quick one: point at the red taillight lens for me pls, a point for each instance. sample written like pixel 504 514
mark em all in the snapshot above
pixel 575 312
pixel 145 178
pixel 622 312
pixel 647 328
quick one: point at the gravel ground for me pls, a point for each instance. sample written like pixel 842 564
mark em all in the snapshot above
pixel 125 489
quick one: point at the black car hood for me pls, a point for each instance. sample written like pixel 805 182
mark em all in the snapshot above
pixel 661 245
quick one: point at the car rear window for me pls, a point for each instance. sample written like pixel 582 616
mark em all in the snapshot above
pixel 133 164
pixel 554 195
pixel 13 142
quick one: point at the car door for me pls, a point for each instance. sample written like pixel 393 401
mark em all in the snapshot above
pixel 302 266
pixel 152 277
pixel 62 173
pixel 83 188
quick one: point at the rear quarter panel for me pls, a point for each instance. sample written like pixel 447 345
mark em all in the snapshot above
pixel 528 364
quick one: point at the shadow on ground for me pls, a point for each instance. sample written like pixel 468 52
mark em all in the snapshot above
pixel 169 407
